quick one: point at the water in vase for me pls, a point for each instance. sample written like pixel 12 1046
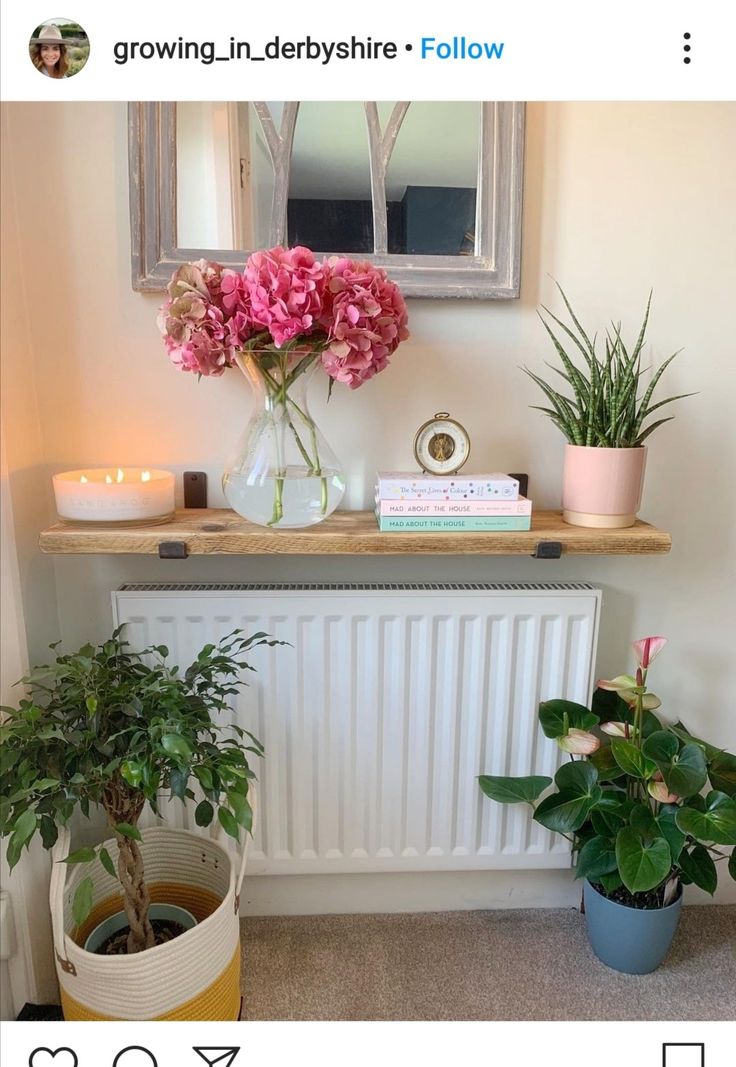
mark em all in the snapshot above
pixel 296 498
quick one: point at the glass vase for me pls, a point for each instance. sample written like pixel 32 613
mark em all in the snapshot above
pixel 284 474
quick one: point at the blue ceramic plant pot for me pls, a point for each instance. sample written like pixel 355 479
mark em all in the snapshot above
pixel 119 921
pixel 632 940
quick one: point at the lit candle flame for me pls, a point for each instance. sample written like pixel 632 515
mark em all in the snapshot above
pixel 84 480
pixel 120 476
pixel 145 476
pixel 108 479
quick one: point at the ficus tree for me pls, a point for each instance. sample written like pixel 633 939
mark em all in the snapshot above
pixel 117 729
pixel 646 805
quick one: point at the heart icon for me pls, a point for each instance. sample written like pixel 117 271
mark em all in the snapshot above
pixel 60 1057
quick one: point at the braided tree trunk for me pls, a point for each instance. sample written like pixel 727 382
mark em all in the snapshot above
pixel 123 805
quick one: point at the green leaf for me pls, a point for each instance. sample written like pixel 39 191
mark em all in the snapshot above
pixel 82 903
pixel 642 820
pixel 14 851
pixel 611 882
pixel 127 830
pixel 642 865
pixel 567 810
pixel 732 865
pixel 132 772
pixel 49 832
pixel 686 774
pixel 176 746
pixel 661 746
pixel 673 835
pixel 717 823
pixel 630 759
pixel 722 773
pixel 204 777
pixel 178 783
pixel 579 775
pixel 597 857
pixel 228 823
pixel 605 763
pixel 700 868
pixel 82 855
pixel 555 714
pixel 513 790
pixel 107 863
pixel 25 827
pixel 204 813
pixel 610 707
pixel 241 810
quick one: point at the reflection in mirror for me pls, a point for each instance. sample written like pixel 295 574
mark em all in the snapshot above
pixel 224 176
pixel 329 206
pixel 432 179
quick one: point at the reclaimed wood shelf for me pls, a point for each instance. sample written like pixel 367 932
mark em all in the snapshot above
pixel 212 531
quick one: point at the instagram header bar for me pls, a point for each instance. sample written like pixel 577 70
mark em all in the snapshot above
pixel 528 49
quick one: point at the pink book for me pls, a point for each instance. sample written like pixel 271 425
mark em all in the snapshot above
pixel 456 508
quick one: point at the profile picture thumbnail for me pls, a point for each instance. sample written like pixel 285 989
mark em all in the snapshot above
pixel 59 48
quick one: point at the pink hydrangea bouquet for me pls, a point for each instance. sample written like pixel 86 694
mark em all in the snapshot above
pixel 286 313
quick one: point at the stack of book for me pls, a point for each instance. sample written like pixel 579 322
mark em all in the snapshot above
pixel 461 503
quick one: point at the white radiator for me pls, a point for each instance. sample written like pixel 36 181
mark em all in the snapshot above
pixel 390 702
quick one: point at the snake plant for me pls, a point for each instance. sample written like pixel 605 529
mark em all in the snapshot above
pixel 607 408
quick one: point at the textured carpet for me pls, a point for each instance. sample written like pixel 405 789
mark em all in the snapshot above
pixel 531 964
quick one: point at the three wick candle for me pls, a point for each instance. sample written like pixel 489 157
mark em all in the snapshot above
pixel 132 496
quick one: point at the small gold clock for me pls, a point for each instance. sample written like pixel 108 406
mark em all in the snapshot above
pixel 442 445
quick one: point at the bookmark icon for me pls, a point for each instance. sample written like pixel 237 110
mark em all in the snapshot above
pixel 218 1057
pixel 683 1055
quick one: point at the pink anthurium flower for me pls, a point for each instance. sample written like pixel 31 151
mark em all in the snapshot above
pixel 579 743
pixel 658 789
pixel 649 701
pixel 647 649
pixel 616 729
pixel 619 684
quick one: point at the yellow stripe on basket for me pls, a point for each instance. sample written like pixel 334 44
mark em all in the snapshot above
pixel 220 1001
pixel 200 902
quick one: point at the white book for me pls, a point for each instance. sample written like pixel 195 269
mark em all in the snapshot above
pixel 401 485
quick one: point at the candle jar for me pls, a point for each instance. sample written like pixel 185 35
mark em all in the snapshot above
pixel 123 496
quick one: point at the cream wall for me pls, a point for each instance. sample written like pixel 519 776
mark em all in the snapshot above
pixel 619 198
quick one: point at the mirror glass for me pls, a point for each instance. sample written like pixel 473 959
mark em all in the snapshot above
pixel 432 178
pixel 225 177
pixel 330 207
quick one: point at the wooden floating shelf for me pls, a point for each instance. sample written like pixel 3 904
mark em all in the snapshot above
pixel 211 531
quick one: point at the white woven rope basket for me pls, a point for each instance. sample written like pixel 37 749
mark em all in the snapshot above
pixel 153 983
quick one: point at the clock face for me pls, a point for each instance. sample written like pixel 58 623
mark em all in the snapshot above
pixel 441 445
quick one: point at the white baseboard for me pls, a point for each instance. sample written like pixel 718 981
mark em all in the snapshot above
pixel 339 894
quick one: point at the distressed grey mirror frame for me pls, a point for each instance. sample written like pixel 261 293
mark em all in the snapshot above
pixel 492 273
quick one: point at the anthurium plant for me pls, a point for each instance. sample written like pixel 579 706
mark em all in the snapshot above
pixel 112 728
pixel 647 806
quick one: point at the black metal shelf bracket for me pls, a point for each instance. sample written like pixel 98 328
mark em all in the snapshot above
pixel 172 550
pixel 547 550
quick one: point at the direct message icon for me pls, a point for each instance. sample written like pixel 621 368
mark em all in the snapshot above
pixel 218 1057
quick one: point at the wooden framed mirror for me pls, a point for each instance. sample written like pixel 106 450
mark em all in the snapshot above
pixel 431 191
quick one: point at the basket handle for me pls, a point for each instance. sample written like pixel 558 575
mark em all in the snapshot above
pixel 56 898
pixel 217 833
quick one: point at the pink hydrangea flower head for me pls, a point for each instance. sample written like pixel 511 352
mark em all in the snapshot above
pixel 196 332
pixel 203 277
pixel 366 319
pixel 286 289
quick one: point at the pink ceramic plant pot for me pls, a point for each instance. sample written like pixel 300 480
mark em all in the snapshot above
pixel 602 487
